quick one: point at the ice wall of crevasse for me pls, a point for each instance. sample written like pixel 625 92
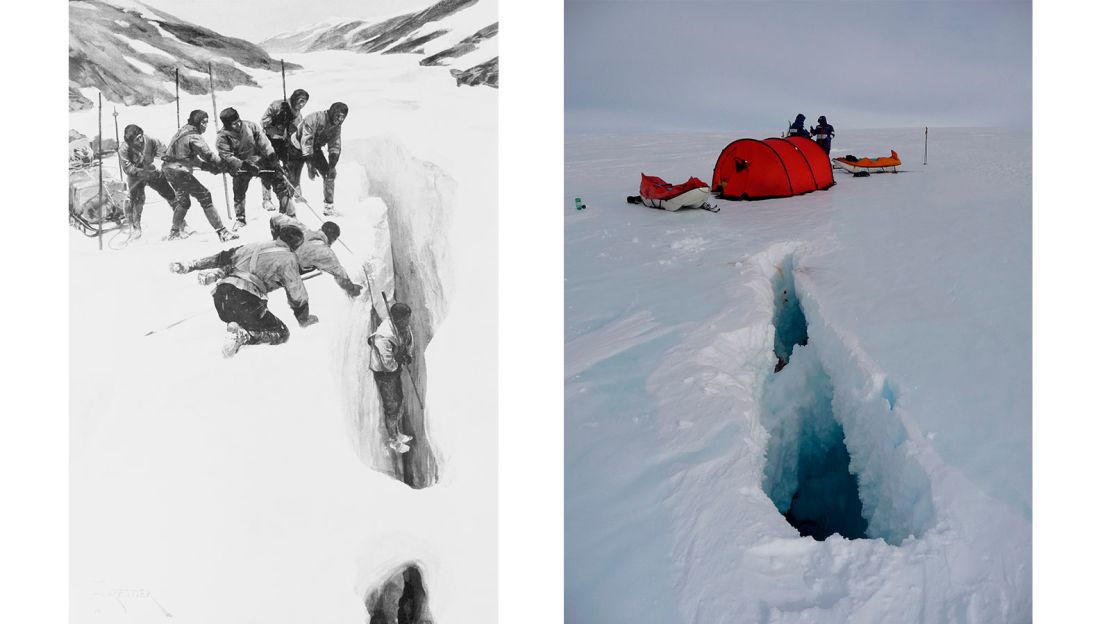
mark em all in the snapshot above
pixel 410 264
pixel 837 461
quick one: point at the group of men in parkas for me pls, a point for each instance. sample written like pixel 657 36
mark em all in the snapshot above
pixel 275 151
pixel 245 275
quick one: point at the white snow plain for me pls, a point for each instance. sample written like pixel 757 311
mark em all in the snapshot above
pixel 683 444
pixel 242 490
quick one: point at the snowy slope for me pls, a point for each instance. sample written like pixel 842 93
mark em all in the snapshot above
pixel 204 487
pixel 129 51
pixel 458 34
pixel 683 446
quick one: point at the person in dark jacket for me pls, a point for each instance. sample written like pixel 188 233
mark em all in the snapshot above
pixel 798 128
pixel 317 130
pixel 823 134
pixel 185 151
pixel 252 271
pixel 248 153
pixel 279 122
pixel 137 155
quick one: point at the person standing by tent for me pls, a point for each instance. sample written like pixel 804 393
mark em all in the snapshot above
pixel 390 351
pixel 316 252
pixel 798 128
pixel 254 270
pixel 823 134
pixel 248 153
pixel 187 150
pixel 318 129
pixel 137 155
pixel 279 122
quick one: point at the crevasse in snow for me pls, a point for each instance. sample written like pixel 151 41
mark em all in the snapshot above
pixel 835 458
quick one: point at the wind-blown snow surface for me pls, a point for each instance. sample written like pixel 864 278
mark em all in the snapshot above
pixel 914 292
pixel 244 490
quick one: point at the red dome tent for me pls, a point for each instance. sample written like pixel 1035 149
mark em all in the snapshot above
pixel 752 169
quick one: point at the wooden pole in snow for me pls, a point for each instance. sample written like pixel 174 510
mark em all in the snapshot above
pixel 100 160
pixel 283 95
pixel 215 119
pixel 926 146
pixel 115 118
pixel 177 95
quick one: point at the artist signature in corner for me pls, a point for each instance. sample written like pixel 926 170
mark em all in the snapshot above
pixel 127 600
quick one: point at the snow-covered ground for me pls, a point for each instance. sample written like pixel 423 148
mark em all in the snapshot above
pixel 913 294
pixel 242 490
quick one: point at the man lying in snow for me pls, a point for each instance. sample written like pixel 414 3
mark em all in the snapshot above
pixel 254 270
pixel 316 252
pixel 390 350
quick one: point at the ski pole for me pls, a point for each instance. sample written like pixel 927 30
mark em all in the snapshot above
pixel 283 95
pixel 177 95
pixel 100 161
pixel 415 390
pixel 115 118
pixel 926 146
pixel 119 161
pixel 215 117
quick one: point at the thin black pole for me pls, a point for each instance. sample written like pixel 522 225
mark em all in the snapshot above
pixel 115 118
pixel 215 118
pixel 283 95
pixel 177 95
pixel 100 160
pixel 926 146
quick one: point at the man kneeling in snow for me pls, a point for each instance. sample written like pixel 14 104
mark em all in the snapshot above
pixel 390 349
pixel 254 270
pixel 316 252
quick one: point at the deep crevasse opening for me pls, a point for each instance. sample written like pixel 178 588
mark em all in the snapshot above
pixel 409 262
pixel 836 459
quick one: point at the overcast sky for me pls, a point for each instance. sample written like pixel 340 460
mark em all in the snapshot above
pixel 640 65
pixel 255 20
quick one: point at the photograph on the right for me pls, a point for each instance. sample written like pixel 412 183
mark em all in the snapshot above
pixel 798 312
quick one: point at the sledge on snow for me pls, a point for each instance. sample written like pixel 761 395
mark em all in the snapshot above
pixel 85 213
pixel 656 192
pixel 885 164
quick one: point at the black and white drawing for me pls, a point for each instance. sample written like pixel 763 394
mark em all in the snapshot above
pixel 283 311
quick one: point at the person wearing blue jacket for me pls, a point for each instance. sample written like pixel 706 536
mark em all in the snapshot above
pixel 823 134
pixel 798 128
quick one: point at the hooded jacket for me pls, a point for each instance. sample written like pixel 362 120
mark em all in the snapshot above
pixel 272 118
pixel 187 149
pixel 798 128
pixel 135 162
pixel 316 130
pixel 249 143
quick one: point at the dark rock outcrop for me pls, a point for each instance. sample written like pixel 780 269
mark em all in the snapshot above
pixel 399 35
pixel 103 36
